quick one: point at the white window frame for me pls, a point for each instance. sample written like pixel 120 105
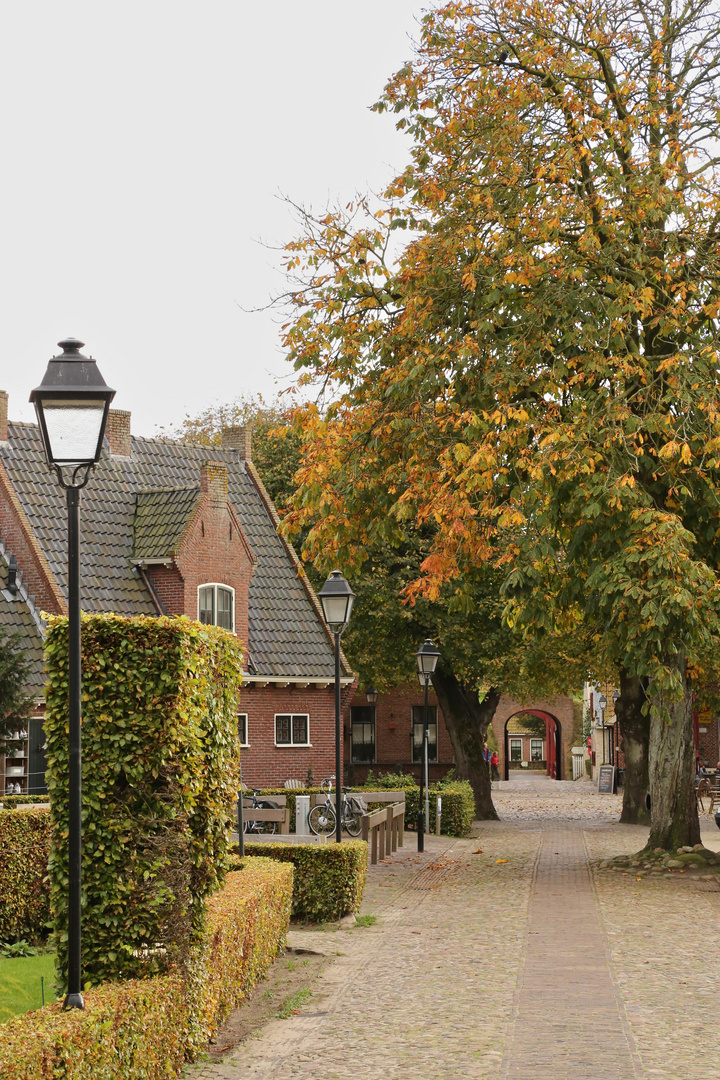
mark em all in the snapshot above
pixel 215 585
pixel 535 741
pixel 515 739
pixel 247 736
pixel 289 745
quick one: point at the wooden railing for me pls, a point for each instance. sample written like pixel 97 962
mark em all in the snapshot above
pixel 384 830
pixel 281 815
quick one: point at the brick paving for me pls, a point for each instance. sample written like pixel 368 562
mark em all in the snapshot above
pixel 513 969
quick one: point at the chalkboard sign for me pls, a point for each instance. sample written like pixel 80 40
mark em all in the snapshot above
pixel 606 780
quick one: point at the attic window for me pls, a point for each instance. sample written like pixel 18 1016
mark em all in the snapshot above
pixel 216 606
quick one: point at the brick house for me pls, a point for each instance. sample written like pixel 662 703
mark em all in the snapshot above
pixel 168 528
pixel 387 736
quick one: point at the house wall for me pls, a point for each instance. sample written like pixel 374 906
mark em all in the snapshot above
pixel 18 537
pixel 393 736
pixel 525 748
pixel 266 765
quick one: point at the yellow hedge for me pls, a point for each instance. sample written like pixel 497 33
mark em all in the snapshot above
pixel 146 1029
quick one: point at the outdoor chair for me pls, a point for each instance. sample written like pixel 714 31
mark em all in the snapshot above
pixel 704 789
pixel 294 784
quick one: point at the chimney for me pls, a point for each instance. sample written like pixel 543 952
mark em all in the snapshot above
pixel 118 432
pixel 3 416
pixel 214 479
pixel 238 438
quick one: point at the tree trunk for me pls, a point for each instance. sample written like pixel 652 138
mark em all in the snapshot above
pixel 635 730
pixel 673 813
pixel 467 721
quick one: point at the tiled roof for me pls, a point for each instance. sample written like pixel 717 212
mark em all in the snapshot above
pixel 160 517
pixel 15 618
pixel 286 635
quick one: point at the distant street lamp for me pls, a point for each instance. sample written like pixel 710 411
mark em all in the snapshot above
pixel 337 600
pixel 371 695
pixel 72 404
pixel 427 658
pixel 602 705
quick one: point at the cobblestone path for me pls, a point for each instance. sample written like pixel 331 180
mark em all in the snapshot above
pixel 499 958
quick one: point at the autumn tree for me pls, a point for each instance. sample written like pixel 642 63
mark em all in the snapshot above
pixel 534 373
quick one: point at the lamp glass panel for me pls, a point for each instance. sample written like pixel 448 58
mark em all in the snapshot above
pixel 427 662
pixel 336 609
pixel 73 429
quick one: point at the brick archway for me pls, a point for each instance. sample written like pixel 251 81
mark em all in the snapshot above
pixel 553 736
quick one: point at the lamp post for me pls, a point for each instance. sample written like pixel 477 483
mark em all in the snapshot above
pixel 337 599
pixel 602 705
pixel 72 404
pixel 427 658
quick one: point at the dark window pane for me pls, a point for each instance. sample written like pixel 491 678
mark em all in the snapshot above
pixel 283 726
pixel 363 740
pixel 299 729
pixel 516 749
pixel 207 606
pixel 225 609
pixel 536 749
pixel 242 728
pixel 418 721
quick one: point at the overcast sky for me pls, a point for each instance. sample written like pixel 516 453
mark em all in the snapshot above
pixel 144 146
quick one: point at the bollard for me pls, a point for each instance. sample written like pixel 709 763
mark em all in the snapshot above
pixel 438 815
pixel 302 812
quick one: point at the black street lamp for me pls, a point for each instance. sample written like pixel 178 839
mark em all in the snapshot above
pixel 427 658
pixel 337 599
pixel 371 695
pixel 72 404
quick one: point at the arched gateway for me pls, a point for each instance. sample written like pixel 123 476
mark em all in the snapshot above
pixel 551 744
pixel 547 736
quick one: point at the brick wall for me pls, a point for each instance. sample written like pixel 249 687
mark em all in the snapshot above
pixel 266 765
pixel 561 708
pixel 393 741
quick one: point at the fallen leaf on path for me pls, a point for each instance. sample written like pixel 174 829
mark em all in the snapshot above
pixel 478 852
pixel 501 860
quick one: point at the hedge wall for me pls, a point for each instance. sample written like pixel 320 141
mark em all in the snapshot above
pixel 160 759
pixel 146 1029
pixel 458 811
pixel 24 882
pixel 9 802
pixel 246 928
pixel 458 808
pixel 329 879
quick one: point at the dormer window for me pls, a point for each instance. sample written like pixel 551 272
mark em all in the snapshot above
pixel 216 606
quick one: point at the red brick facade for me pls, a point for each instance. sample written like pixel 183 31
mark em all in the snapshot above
pixel 559 715
pixel 393 736
pixel 266 765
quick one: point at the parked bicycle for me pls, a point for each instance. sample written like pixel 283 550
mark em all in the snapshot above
pixel 322 817
pixel 266 828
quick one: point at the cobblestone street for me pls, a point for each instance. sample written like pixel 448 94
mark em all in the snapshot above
pixel 502 956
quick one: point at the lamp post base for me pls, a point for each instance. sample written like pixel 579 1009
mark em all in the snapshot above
pixel 421 830
pixel 74 1001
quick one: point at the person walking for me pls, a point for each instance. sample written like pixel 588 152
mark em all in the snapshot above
pixel 486 757
pixel 494 763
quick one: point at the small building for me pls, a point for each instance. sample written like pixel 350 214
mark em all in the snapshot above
pixel 176 529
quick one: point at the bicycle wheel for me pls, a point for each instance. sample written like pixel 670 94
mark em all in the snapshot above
pixel 322 820
pixel 352 824
pixel 267 828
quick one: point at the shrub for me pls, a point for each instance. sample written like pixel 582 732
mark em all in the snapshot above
pixel 246 928
pixel 24 883
pixel 9 802
pixel 329 879
pixel 145 1029
pixel 160 759
pixel 458 808
pixel 134 1030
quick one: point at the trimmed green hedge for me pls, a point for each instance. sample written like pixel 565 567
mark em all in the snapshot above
pixel 246 928
pixel 9 802
pixel 329 879
pixel 160 780
pixel 146 1029
pixel 458 808
pixel 24 882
